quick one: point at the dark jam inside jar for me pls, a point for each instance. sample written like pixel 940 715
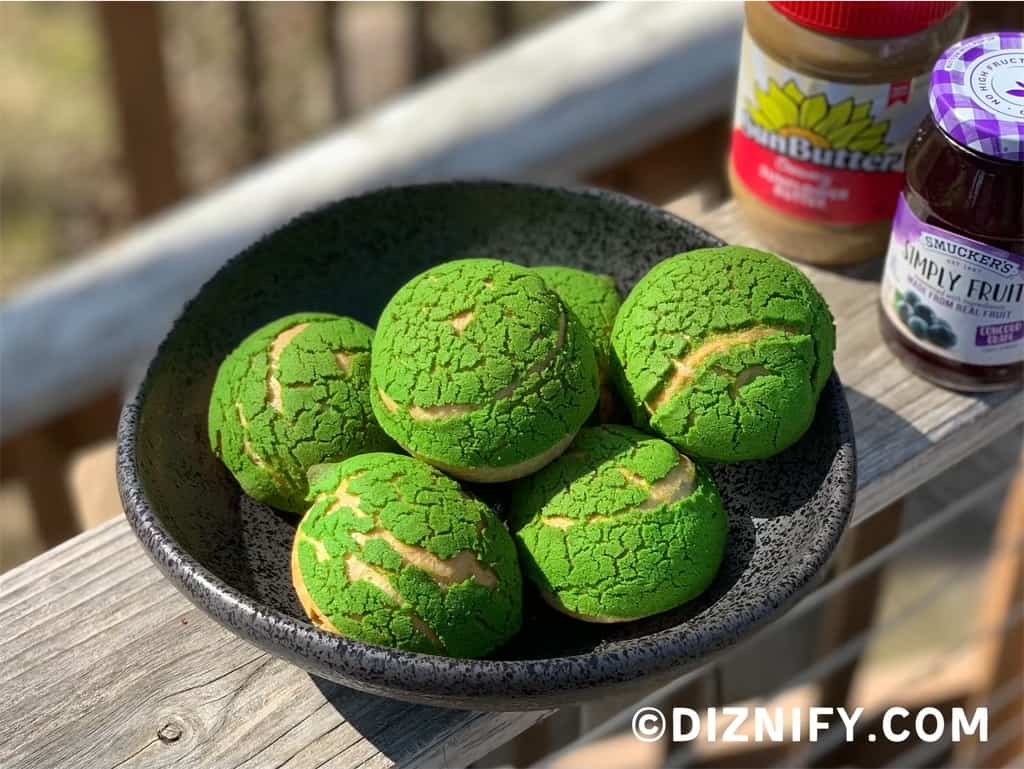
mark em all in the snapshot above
pixel 979 197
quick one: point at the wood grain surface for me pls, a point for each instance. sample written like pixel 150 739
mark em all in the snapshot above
pixel 104 664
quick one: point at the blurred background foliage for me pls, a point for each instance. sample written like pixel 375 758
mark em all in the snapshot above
pixel 244 82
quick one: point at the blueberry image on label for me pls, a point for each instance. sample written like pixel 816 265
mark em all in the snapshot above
pixel 918 327
pixel 924 312
pixel 904 310
pixel 941 334
pixel 912 299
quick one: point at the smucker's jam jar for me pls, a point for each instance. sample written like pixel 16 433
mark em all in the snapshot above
pixel 829 96
pixel 953 288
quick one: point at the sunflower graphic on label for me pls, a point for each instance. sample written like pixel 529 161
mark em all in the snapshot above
pixel 822 150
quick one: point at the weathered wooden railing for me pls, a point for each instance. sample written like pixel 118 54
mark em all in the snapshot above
pixel 554 106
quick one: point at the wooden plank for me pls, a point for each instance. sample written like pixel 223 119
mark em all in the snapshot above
pixel 103 665
pixel 332 18
pixel 852 611
pixel 682 168
pixel 572 97
pixel 251 77
pixel 101 656
pixel 1002 655
pixel 503 20
pixel 93 482
pixel 132 32
pixel 40 458
pixel 428 57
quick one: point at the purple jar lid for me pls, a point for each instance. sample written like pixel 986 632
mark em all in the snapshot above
pixel 977 94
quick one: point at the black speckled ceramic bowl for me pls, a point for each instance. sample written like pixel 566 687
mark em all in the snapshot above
pixel 230 555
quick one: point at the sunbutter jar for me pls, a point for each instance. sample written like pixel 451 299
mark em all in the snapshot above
pixel 829 96
pixel 953 287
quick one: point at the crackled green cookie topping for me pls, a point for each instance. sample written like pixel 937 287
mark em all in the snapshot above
pixel 293 394
pixel 621 526
pixel 724 352
pixel 480 370
pixel 593 298
pixel 394 553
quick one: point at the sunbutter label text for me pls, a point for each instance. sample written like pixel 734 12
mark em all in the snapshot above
pixel 821 150
pixel 802 148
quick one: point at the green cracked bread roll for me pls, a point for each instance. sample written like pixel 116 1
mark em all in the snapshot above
pixel 595 301
pixel 293 394
pixel 394 553
pixel 621 526
pixel 724 352
pixel 480 370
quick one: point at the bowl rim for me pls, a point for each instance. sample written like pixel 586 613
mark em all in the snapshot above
pixel 381 668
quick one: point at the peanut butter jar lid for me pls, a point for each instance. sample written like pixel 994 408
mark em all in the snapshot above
pixel 977 94
pixel 865 18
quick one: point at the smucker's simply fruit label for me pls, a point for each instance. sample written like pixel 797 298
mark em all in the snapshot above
pixel 821 150
pixel 953 296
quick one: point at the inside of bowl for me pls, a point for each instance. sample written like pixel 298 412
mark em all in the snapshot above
pixel 348 259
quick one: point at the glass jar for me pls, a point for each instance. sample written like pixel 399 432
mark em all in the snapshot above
pixel 953 285
pixel 829 95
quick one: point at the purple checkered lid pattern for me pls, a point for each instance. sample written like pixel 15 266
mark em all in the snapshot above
pixel 977 94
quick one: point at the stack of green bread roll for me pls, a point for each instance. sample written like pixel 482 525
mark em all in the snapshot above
pixel 488 372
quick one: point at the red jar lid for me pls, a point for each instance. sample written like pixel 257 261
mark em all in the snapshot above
pixel 866 19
